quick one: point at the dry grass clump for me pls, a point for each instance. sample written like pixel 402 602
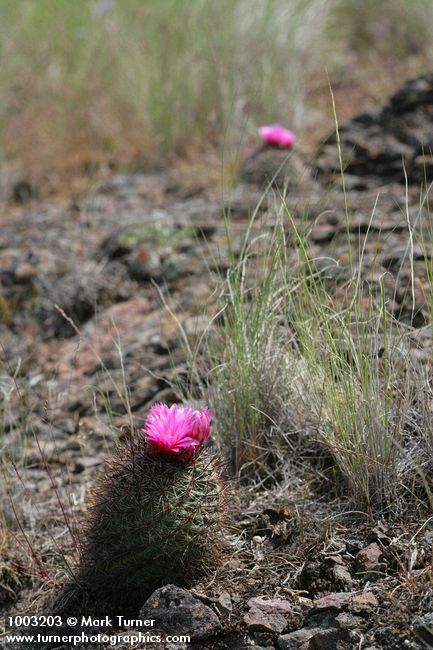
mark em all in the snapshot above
pixel 298 369
pixel 11 570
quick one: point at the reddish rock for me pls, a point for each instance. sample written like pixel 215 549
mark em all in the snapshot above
pixel 338 601
pixel 80 358
pixel 369 555
pixel 368 560
pixel 354 601
pixel 363 602
pixel 257 620
pixel 272 605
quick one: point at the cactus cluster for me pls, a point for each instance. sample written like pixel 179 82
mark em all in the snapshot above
pixel 156 512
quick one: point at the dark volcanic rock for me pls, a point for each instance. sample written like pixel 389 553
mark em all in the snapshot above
pixel 375 145
pixel 297 640
pixel 313 639
pixel 177 611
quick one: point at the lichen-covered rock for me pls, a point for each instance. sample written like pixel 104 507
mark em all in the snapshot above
pixel 177 611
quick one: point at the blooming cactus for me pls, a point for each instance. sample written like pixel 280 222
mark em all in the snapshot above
pixel 152 520
pixel 276 135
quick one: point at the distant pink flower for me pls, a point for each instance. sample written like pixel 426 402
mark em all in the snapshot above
pixel 176 430
pixel 277 136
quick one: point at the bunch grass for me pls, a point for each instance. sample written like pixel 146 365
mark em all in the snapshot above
pixel 328 365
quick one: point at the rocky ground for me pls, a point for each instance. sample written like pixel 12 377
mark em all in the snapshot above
pixel 96 290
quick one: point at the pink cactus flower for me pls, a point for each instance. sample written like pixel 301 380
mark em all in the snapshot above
pixel 176 430
pixel 276 135
pixel 202 424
